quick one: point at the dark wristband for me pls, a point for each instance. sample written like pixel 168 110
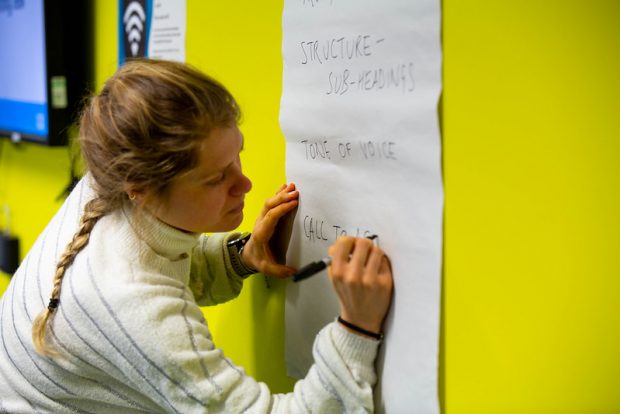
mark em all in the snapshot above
pixel 235 248
pixel 374 335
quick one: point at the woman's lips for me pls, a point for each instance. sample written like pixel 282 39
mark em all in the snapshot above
pixel 238 209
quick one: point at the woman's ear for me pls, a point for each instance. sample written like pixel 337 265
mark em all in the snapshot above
pixel 134 194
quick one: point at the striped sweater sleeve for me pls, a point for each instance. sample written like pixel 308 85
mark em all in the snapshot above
pixel 212 277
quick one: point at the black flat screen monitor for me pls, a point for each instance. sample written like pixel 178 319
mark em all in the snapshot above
pixel 45 67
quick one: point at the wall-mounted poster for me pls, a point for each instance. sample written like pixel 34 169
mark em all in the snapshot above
pixel 152 28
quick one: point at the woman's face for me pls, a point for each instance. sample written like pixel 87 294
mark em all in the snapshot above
pixel 209 198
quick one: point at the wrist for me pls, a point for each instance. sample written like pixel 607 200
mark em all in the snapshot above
pixel 243 255
pixel 235 248
pixel 374 334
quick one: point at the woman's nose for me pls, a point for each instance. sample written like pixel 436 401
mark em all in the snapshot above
pixel 242 186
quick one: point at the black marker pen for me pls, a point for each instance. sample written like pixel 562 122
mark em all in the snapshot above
pixel 315 267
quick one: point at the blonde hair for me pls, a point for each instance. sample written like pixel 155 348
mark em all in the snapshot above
pixel 143 130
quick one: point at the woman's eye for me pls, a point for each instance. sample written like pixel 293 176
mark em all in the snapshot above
pixel 220 180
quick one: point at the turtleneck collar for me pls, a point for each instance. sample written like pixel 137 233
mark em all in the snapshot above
pixel 164 239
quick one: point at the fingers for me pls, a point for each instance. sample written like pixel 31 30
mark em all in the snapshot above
pixel 358 260
pixel 340 252
pixel 362 278
pixel 285 201
pixel 357 253
pixel 266 225
pixel 283 186
pixel 258 249
pixel 360 254
pixel 355 259
pixel 279 271
pixel 286 193
pixel 376 260
pixel 280 210
pixel 386 266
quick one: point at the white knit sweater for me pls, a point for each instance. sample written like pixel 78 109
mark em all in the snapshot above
pixel 133 338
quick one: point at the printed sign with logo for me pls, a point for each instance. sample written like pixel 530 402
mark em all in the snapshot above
pixel 152 28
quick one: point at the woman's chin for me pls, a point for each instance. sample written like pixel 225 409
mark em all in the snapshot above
pixel 237 221
pixel 233 223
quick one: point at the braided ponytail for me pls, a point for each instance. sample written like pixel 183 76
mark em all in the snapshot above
pixel 93 211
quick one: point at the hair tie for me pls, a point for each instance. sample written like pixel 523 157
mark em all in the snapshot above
pixel 53 304
pixel 374 335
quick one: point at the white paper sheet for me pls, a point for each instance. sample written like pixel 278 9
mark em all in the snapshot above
pixel 155 29
pixel 168 29
pixel 359 112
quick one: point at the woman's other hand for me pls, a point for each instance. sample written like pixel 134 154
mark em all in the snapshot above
pixel 257 252
pixel 362 277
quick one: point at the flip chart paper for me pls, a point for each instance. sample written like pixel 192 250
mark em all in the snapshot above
pixel 361 83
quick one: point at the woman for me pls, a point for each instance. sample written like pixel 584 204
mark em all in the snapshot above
pixel 122 330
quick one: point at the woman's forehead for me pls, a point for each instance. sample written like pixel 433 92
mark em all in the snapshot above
pixel 218 150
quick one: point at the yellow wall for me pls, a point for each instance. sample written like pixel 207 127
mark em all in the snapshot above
pixel 532 229
pixel 531 302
